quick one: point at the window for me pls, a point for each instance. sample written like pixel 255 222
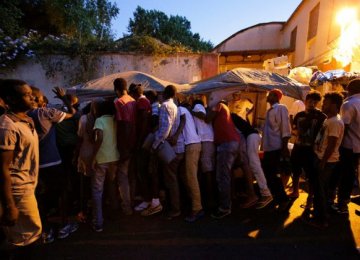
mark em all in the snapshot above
pixel 313 22
pixel 293 39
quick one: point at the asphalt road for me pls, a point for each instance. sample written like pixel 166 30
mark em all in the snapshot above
pixel 245 234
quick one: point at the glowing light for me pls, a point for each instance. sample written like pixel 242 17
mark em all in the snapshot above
pixel 346 16
pixel 349 37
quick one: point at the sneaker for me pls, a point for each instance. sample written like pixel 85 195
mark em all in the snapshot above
pixel 143 205
pixel 48 237
pixel 151 210
pixel 264 201
pixel 66 230
pixel 219 214
pixel 194 216
pixel 97 228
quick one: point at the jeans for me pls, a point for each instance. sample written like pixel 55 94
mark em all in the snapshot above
pixel 192 155
pixel 321 189
pixel 225 158
pixel 123 182
pixel 97 188
pixel 252 145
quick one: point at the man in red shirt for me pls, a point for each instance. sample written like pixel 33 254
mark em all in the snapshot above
pixel 227 142
pixel 126 139
pixel 148 180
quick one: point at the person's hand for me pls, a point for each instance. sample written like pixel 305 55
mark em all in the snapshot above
pixel 11 215
pixel 59 92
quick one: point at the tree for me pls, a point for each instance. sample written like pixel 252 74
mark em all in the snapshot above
pixel 82 19
pixel 173 30
pixel 10 17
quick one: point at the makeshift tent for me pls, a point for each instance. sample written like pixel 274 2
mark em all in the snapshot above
pixel 252 83
pixel 103 87
pixel 242 79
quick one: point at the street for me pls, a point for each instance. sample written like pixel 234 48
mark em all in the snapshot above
pixel 246 233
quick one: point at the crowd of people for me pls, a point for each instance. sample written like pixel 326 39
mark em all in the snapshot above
pixel 176 157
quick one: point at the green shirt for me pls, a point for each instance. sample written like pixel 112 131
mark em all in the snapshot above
pixel 108 151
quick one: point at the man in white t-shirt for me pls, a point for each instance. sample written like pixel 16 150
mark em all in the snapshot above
pixel 192 155
pixel 207 156
pixel 326 148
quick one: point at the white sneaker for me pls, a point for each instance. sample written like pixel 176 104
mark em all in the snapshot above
pixel 143 205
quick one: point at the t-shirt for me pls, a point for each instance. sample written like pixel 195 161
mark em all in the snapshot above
pixel 126 112
pixel 125 109
pixel 204 130
pixel 224 128
pixel 350 114
pixel 85 132
pixel 66 131
pixel 333 126
pixel 189 131
pixel 45 120
pixel 143 104
pixel 243 126
pixel 19 135
pixel 108 151
pixel 308 125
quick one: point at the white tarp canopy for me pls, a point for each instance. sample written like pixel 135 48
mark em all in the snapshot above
pixel 242 79
pixel 103 87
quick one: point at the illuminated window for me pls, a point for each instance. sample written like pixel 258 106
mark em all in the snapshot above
pixel 313 22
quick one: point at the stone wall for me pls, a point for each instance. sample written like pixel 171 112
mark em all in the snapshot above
pixel 47 71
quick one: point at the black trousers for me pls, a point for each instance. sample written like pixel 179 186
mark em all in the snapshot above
pixel 346 172
pixel 271 165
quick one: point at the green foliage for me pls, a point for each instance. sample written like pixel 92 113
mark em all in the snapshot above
pixel 10 17
pixel 74 27
pixel 148 45
pixel 173 30
pixel 81 19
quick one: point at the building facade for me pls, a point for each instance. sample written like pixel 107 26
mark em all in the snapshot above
pixel 314 35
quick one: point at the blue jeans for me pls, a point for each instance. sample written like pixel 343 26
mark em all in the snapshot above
pixel 97 188
pixel 225 158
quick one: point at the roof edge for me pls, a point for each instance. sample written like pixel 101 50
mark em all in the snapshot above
pixel 293 13
pixel 245 29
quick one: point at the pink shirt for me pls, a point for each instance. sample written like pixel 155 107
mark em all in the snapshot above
pixel 125 109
